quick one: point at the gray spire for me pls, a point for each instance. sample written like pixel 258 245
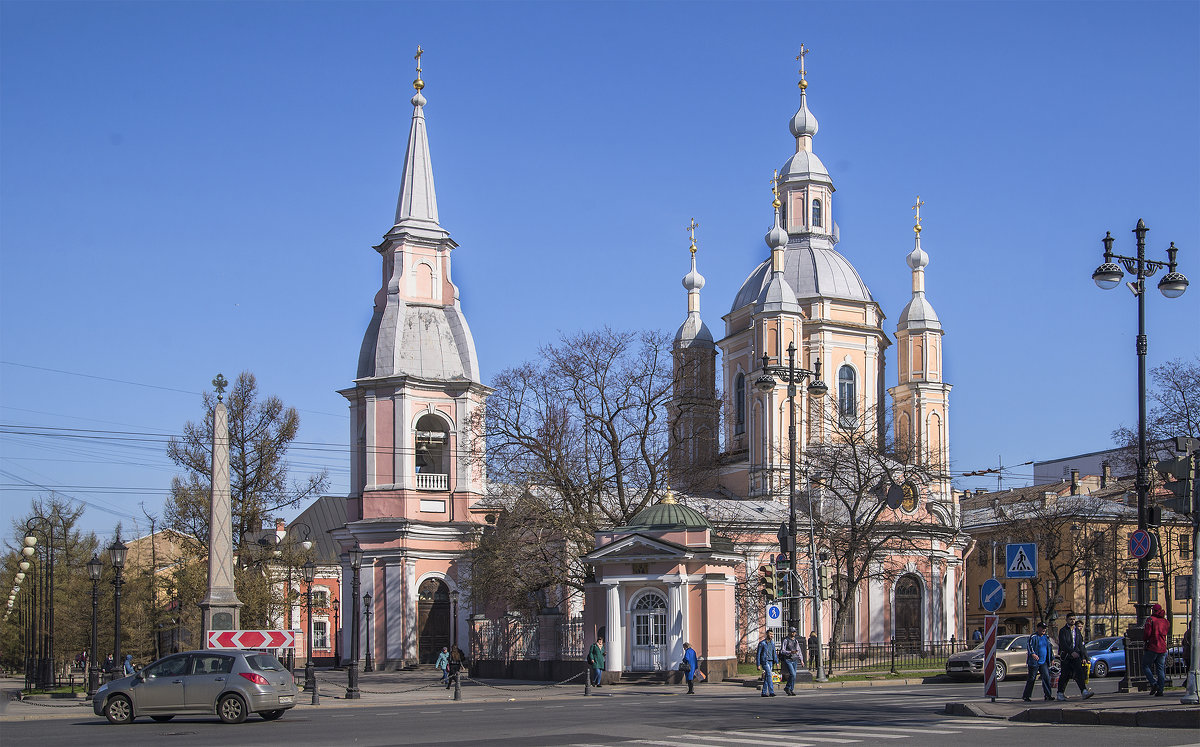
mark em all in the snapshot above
pixel 417 206
pixel 918 315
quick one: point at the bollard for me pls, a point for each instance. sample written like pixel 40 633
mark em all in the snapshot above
pixel 457 689
pixel 587 681
pixel 316 694
pixel 893 654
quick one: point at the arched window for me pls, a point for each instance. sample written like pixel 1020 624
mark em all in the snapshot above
pixel 847 396
pixel 816 214
pixel 739 406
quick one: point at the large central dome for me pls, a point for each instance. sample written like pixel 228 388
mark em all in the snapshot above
pixel 813 271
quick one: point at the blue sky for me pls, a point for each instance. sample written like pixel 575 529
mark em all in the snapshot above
pixel 187 188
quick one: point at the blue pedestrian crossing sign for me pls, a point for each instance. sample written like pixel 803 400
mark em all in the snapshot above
pixel 774 615
pixel 1021 560
pixel 991 596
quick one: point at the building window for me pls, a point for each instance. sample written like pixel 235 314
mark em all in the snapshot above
pixel 983 560
pixel 1100 591
pixel 847 396
pixel 320 634
pixel 320 599
pixel 739 405
pixel 1151 590
pixel 1185 547
pixel 1099 630
pixel 816 214
pixel 1023 594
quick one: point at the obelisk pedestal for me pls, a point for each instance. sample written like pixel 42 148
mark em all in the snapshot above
pixel 220 605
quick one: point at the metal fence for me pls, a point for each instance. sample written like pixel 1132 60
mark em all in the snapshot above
pixel 571 643
pixel 891 655
pixel 506 639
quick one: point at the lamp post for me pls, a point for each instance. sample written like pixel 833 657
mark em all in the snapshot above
pixel 45 665
pixel 454 617
pixel 31 617
pixel 310 677
pixel 352 692
pixel 1172 285
pixel 116 555
pixel 95 567
pixel 367 611
pixel 816 388
pixel 337 633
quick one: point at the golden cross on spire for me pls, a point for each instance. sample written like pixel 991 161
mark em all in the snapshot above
pixel 800 58
pixel 418 84
pixel 917 209
pixel 691 229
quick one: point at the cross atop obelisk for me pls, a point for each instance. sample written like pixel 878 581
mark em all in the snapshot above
pixel 220 605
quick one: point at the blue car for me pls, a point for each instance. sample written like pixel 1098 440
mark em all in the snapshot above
pixel 1106 655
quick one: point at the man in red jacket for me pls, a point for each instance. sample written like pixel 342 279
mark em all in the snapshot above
pixel 1157 628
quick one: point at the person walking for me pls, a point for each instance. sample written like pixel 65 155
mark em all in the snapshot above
pixel 457 660
pixel 129 668
pixel 1038 662
pixel 443 664
pixel 689 666
pixel 1157 628
pixel 108 665
pixel 814 650
pixel 791 651
pixel 1071 652
pixel 765 659
pixel 595 660
pixel 977 636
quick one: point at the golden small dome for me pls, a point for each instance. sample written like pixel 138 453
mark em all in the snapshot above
pixel 418 84
pixel 803 84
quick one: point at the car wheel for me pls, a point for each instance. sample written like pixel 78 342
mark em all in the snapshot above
pixel 231 709
pixel 271 715
pixel 1001 670
pixel 1100 670
pixel 163 719
pixel 118 710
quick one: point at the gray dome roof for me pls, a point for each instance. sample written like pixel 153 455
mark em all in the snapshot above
pixel 918 314
pixel 804 166
pixel 694 333
pixel 667 514
pixel 812 272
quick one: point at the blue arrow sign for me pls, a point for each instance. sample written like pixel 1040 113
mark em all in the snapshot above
pixel 992 595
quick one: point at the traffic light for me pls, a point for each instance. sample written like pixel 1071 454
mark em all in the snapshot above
pixel 767 581
pixel 1179 468
pixel 825 582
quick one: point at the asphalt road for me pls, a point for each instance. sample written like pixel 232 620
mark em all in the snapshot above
pixel 900 716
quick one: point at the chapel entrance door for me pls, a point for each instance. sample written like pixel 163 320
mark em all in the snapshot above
pixel 649 634
pixel 907 610
pixel 433 619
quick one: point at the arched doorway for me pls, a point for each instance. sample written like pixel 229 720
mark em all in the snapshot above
pixel 907 610
pixel 649 633
pixel 433 619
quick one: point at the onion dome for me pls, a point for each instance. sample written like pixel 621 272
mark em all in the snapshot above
pixel 918 314
pixel 693 332
pixel 803 122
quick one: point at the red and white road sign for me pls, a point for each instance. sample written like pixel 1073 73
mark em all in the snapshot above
pixel 251 639
pixel 990 623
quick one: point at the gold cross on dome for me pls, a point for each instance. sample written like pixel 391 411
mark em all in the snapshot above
pixel 775 183
pixel 800 58
pixel 691 229
pixel 917 209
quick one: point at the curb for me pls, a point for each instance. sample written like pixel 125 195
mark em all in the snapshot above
pixel 1185 717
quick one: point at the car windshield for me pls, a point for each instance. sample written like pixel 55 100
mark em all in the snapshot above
pixel 1002 642
pixel 1100 644
pixel 264 663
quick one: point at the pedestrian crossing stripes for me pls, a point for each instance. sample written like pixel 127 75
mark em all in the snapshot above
pixel 817 736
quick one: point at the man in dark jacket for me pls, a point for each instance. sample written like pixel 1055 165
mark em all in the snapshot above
pixel 595 661
pixel 1157 628
pixel 1071 651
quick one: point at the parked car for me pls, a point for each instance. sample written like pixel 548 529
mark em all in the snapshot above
pixel 228 683
pixel 1011 651
pixel 1175 663
pixel 1106 655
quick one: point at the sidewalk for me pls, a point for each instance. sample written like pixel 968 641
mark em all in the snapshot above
pixel 1119 709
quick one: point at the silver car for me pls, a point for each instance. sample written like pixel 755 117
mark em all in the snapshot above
pixel 229 683
pixel 1011 652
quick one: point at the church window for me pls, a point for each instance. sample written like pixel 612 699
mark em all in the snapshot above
pixel 847 396
pixel 816 212
pixel 739 405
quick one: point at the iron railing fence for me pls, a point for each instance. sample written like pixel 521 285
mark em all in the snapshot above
pixel 506 639
pixel 571 643
pixel 891 655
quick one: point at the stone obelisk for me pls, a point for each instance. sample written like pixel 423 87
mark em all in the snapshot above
pixel 220 605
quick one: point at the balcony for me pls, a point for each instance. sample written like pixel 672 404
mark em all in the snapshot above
pixel 432 481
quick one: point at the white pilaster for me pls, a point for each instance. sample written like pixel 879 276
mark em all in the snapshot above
pixel 371 440
pixel 410 609
pixel 675 624
pixel 393 583
pixel 876 601
pixel 614 630
pixel 949 603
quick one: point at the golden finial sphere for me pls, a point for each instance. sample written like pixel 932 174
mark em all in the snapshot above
pixel 776 203
pixel 803 84
pixel 418 84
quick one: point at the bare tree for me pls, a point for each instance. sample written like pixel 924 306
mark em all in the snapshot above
pixel 1174 394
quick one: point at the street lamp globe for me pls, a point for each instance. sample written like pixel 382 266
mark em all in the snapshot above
pixel 95 566
pixel 27 551
pixel 764 383
pixel 367 602
pixel 1173 284
pixel 1108 275
pixel 23 565
pixel 310 571
pixel 20 576
pixel 818 388
pixel 356 554
pixel 116 553
pixel 30 541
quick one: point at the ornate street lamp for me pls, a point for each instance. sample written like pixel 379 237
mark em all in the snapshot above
pixel 1172 285
pixel 45 665
pixel 356 555
pixel 454 617
pixel 94 567
pixel 116 556
pixel 367 611
pixel 816 388
pixel 337 633
pixel 310 677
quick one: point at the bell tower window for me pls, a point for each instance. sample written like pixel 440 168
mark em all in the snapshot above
pixel 432 460
pixel 847 396
pixel 739 405
pixel 816 213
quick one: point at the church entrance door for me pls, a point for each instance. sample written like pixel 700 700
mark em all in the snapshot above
pixel 907 612
pixel 433 619
pixel 649 634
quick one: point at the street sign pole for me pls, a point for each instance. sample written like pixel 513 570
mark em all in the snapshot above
pixel 990 622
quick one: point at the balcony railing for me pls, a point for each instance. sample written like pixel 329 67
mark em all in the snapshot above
pixel 432 481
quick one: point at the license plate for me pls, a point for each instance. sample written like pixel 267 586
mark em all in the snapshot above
pixel 958 666
pixel 285 699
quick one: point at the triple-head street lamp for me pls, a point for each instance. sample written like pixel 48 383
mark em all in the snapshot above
pixel 816 388
pixel 95 568
pixel 1172 285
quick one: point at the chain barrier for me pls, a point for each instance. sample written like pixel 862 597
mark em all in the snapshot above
pixel 86 703
pixel 525 688
pixel 361 689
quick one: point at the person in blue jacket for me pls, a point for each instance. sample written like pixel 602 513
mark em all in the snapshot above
pixel 129 668
pixel 689 670
pixel 1038 661
pixel 766 659
pixel 443 663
